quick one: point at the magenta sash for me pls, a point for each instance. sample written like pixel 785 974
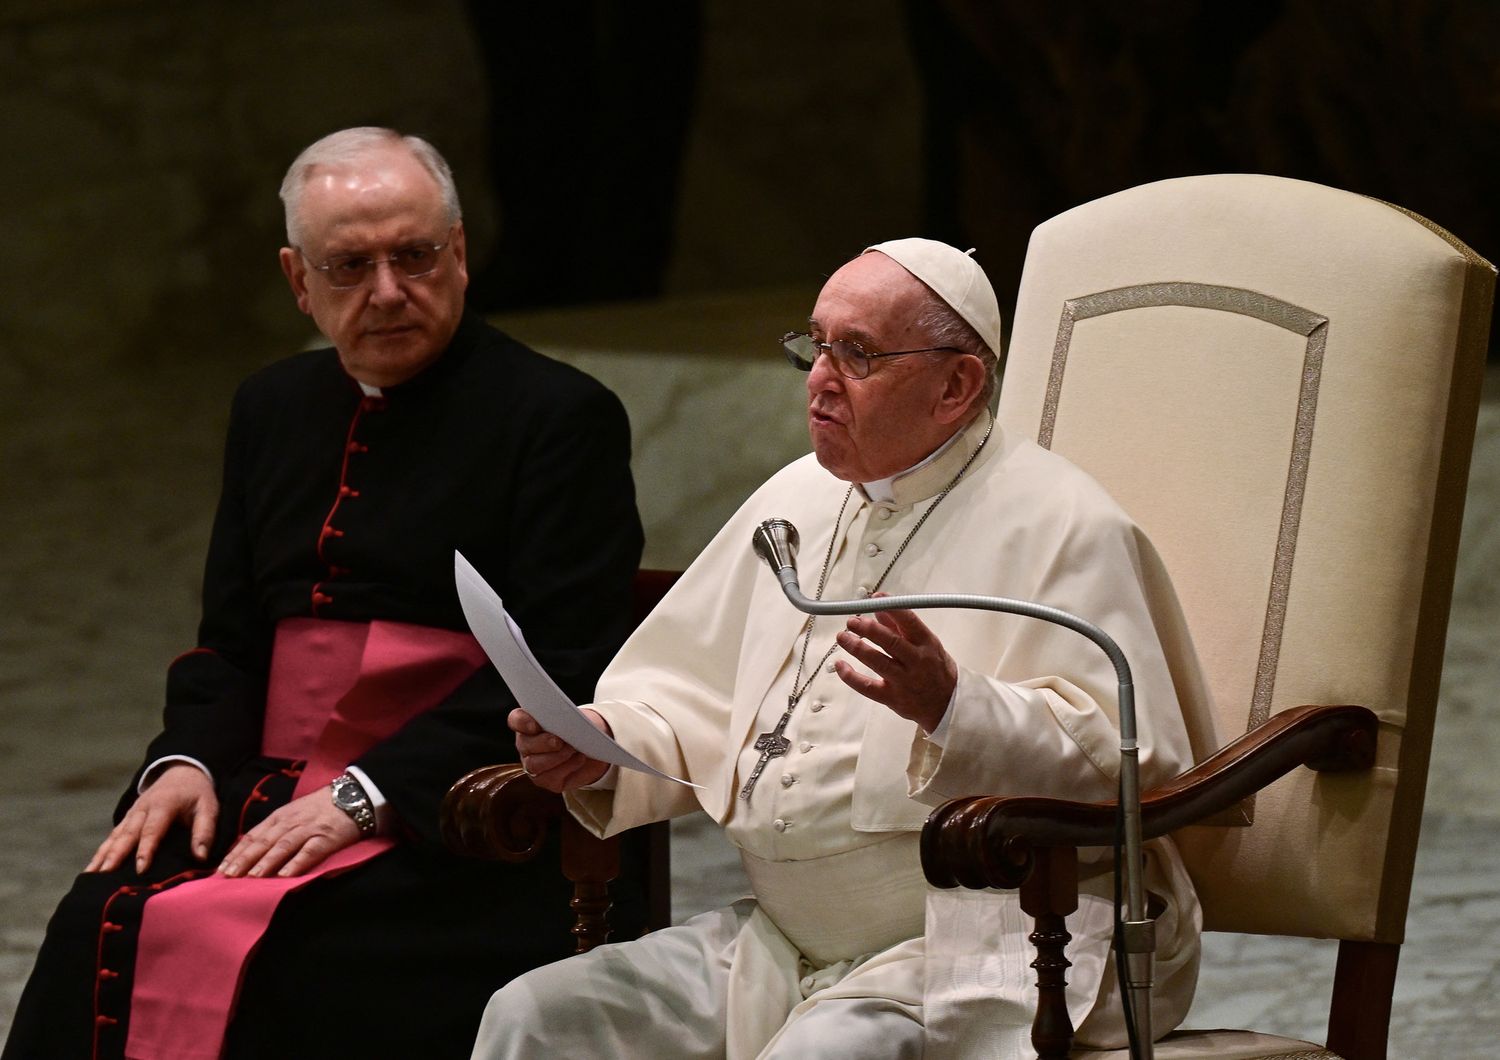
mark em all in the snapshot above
pixel 335 690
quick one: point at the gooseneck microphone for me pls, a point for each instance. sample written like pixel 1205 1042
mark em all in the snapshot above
pixel 776 541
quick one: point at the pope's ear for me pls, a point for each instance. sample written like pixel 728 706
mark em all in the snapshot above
pixel 961 389
pixel 295 270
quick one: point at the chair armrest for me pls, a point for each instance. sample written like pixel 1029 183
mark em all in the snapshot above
pixel 986 840
pixel 499 814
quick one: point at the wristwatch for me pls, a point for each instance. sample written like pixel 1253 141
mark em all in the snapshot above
pixel 349 796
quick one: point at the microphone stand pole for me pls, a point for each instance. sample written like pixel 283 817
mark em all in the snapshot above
pixel 775 541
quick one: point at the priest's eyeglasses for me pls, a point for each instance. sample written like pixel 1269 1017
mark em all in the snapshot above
pixel 415 260
pixel 849 357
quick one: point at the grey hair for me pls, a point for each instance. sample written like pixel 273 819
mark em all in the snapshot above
pixel 943 326
pixel 348 145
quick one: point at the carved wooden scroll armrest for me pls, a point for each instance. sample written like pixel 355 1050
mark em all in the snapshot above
pixel 985 840
pixel 499 814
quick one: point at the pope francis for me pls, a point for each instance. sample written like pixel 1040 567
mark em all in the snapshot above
pixel 820 745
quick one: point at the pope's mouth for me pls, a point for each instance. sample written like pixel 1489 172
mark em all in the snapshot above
pixel 390 330
pixel 822 417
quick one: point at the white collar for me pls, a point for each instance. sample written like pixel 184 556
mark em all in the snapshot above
pixel 884 489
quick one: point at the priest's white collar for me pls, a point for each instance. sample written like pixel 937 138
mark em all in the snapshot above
pixel 931 474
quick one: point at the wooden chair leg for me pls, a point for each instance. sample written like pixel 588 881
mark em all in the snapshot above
pixel 1049 894
pixel 590 864
pixel 1359 1021
pixel 658 875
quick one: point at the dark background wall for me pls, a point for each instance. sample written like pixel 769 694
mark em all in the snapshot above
pixel 1033 108
pixel 609 149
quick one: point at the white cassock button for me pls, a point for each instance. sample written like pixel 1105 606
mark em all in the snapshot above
pixel 831 668
pixel 872 549
pixel 787 780
pixel 862 592
pixel 804 747
pixel 819 705
pixel 779 825
pixel 882 513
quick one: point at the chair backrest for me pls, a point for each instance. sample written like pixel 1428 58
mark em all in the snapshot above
pixel 1280 382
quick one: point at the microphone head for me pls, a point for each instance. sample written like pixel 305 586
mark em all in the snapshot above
pixel 775 541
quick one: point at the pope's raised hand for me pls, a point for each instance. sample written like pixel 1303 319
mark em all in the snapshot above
pixel 913 673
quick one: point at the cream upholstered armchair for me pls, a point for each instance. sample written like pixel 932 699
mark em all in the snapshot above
pixel 1280 382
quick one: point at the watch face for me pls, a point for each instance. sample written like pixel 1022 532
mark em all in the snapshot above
pixel 350 797
pixel 345 795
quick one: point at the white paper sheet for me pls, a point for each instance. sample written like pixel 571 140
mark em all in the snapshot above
pixel 534 690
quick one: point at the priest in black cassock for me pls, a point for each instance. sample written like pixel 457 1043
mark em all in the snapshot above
pixel 275 884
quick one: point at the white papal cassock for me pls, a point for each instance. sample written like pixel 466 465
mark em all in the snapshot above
pixel 829 835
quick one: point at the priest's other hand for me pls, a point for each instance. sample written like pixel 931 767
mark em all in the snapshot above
pixel 553 764
pixel 913 673
pixel 180 793
pixel 292 840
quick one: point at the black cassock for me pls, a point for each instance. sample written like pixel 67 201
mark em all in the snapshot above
pixel 341 506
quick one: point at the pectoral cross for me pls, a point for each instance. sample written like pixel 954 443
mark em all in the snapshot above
pixel 770 745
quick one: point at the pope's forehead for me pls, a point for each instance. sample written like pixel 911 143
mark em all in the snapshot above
pixel 871 284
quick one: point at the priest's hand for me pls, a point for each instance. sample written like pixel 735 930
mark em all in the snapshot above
pixel 553 764
pixel 913 674
pixel 292 840
pixel 180 793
